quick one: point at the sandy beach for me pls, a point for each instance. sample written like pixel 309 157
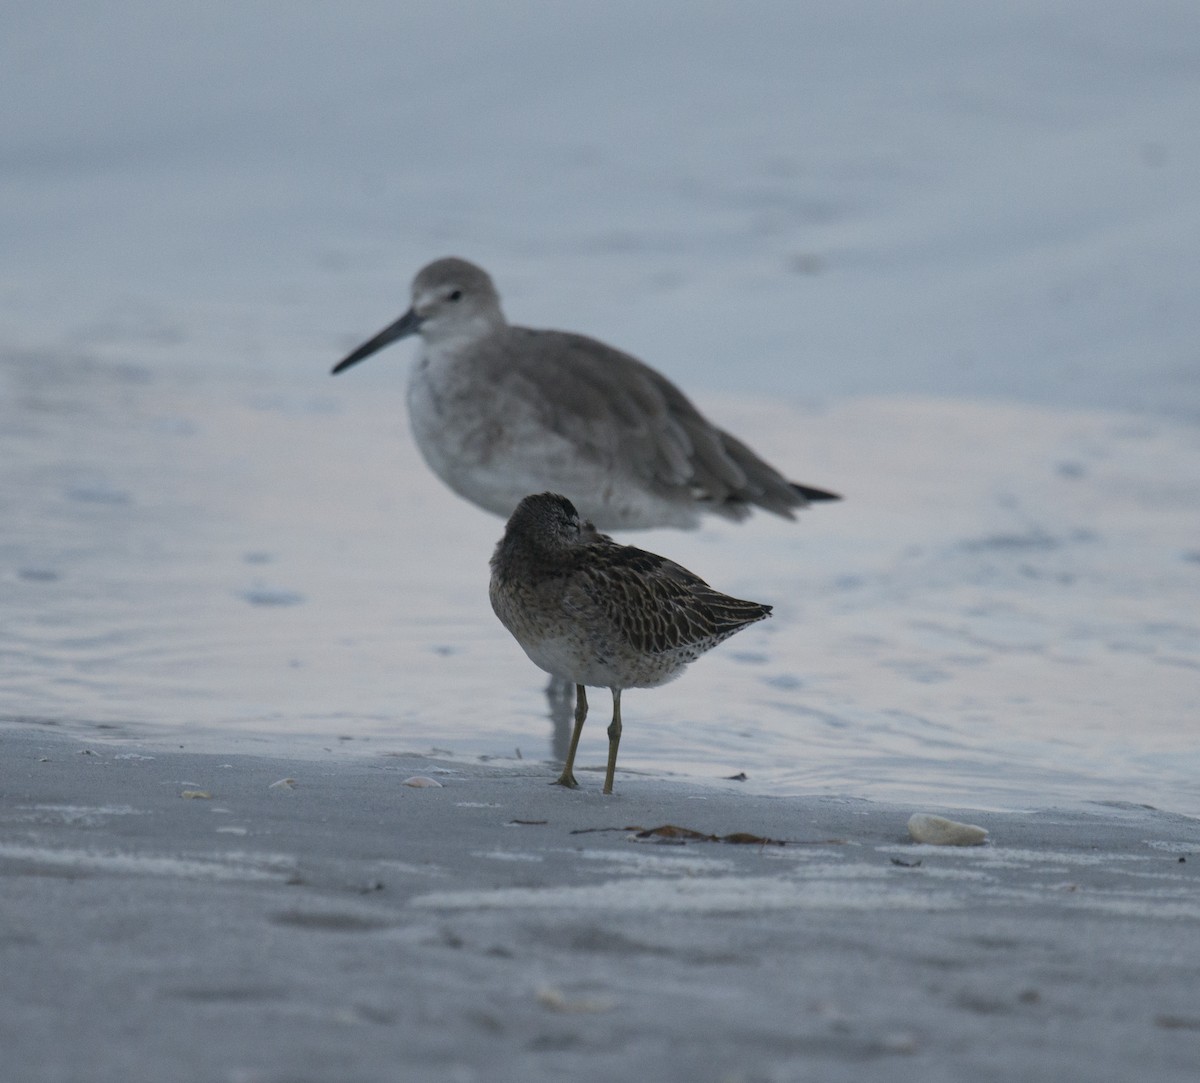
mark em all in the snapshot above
pixel 260 919
pixel 938 258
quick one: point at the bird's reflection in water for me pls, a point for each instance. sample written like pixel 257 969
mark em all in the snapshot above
pixel 560 707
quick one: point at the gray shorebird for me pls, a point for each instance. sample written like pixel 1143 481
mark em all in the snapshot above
pixel 500 411
pixel 592 612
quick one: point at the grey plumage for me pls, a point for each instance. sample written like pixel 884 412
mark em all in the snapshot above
pixel 500 411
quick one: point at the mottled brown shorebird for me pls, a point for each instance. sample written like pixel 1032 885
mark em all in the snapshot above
pixel 500 411
pixel 593 612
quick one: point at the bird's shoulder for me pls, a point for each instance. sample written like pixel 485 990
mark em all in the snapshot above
pixel 603 562
pixel 586 376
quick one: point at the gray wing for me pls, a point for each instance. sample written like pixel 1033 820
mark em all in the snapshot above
pixel 637 423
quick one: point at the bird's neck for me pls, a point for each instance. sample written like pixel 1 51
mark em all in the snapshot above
pixel 463 334
pixel 535 559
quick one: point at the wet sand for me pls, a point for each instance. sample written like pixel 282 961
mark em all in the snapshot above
pixel 212 545
pixel 176 915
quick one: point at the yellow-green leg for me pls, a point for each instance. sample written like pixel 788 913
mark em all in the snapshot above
pixel 614 739
pixel 567 778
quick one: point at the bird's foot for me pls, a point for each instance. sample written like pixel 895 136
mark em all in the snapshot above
pixel 566 779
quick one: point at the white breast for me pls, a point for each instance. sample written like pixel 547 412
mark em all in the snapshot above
pixel 489 444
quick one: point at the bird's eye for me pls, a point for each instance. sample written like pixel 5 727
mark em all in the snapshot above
pixel 456 295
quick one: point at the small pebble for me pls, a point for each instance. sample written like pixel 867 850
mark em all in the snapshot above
pixel 938 831
pixel 202 795
pixel 898 1042
pixel 557 1001
pixel 421 781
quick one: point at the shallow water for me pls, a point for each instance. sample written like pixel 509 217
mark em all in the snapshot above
pixel 963 210
pixel 1003 612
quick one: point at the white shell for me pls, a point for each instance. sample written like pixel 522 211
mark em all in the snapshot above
pixel 422 780
pixel 938 831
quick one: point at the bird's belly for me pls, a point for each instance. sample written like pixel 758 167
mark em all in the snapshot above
pixel 492 447
pixel 488 448
pixel 580 659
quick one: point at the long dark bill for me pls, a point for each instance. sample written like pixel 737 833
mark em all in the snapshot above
pixel 408 324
